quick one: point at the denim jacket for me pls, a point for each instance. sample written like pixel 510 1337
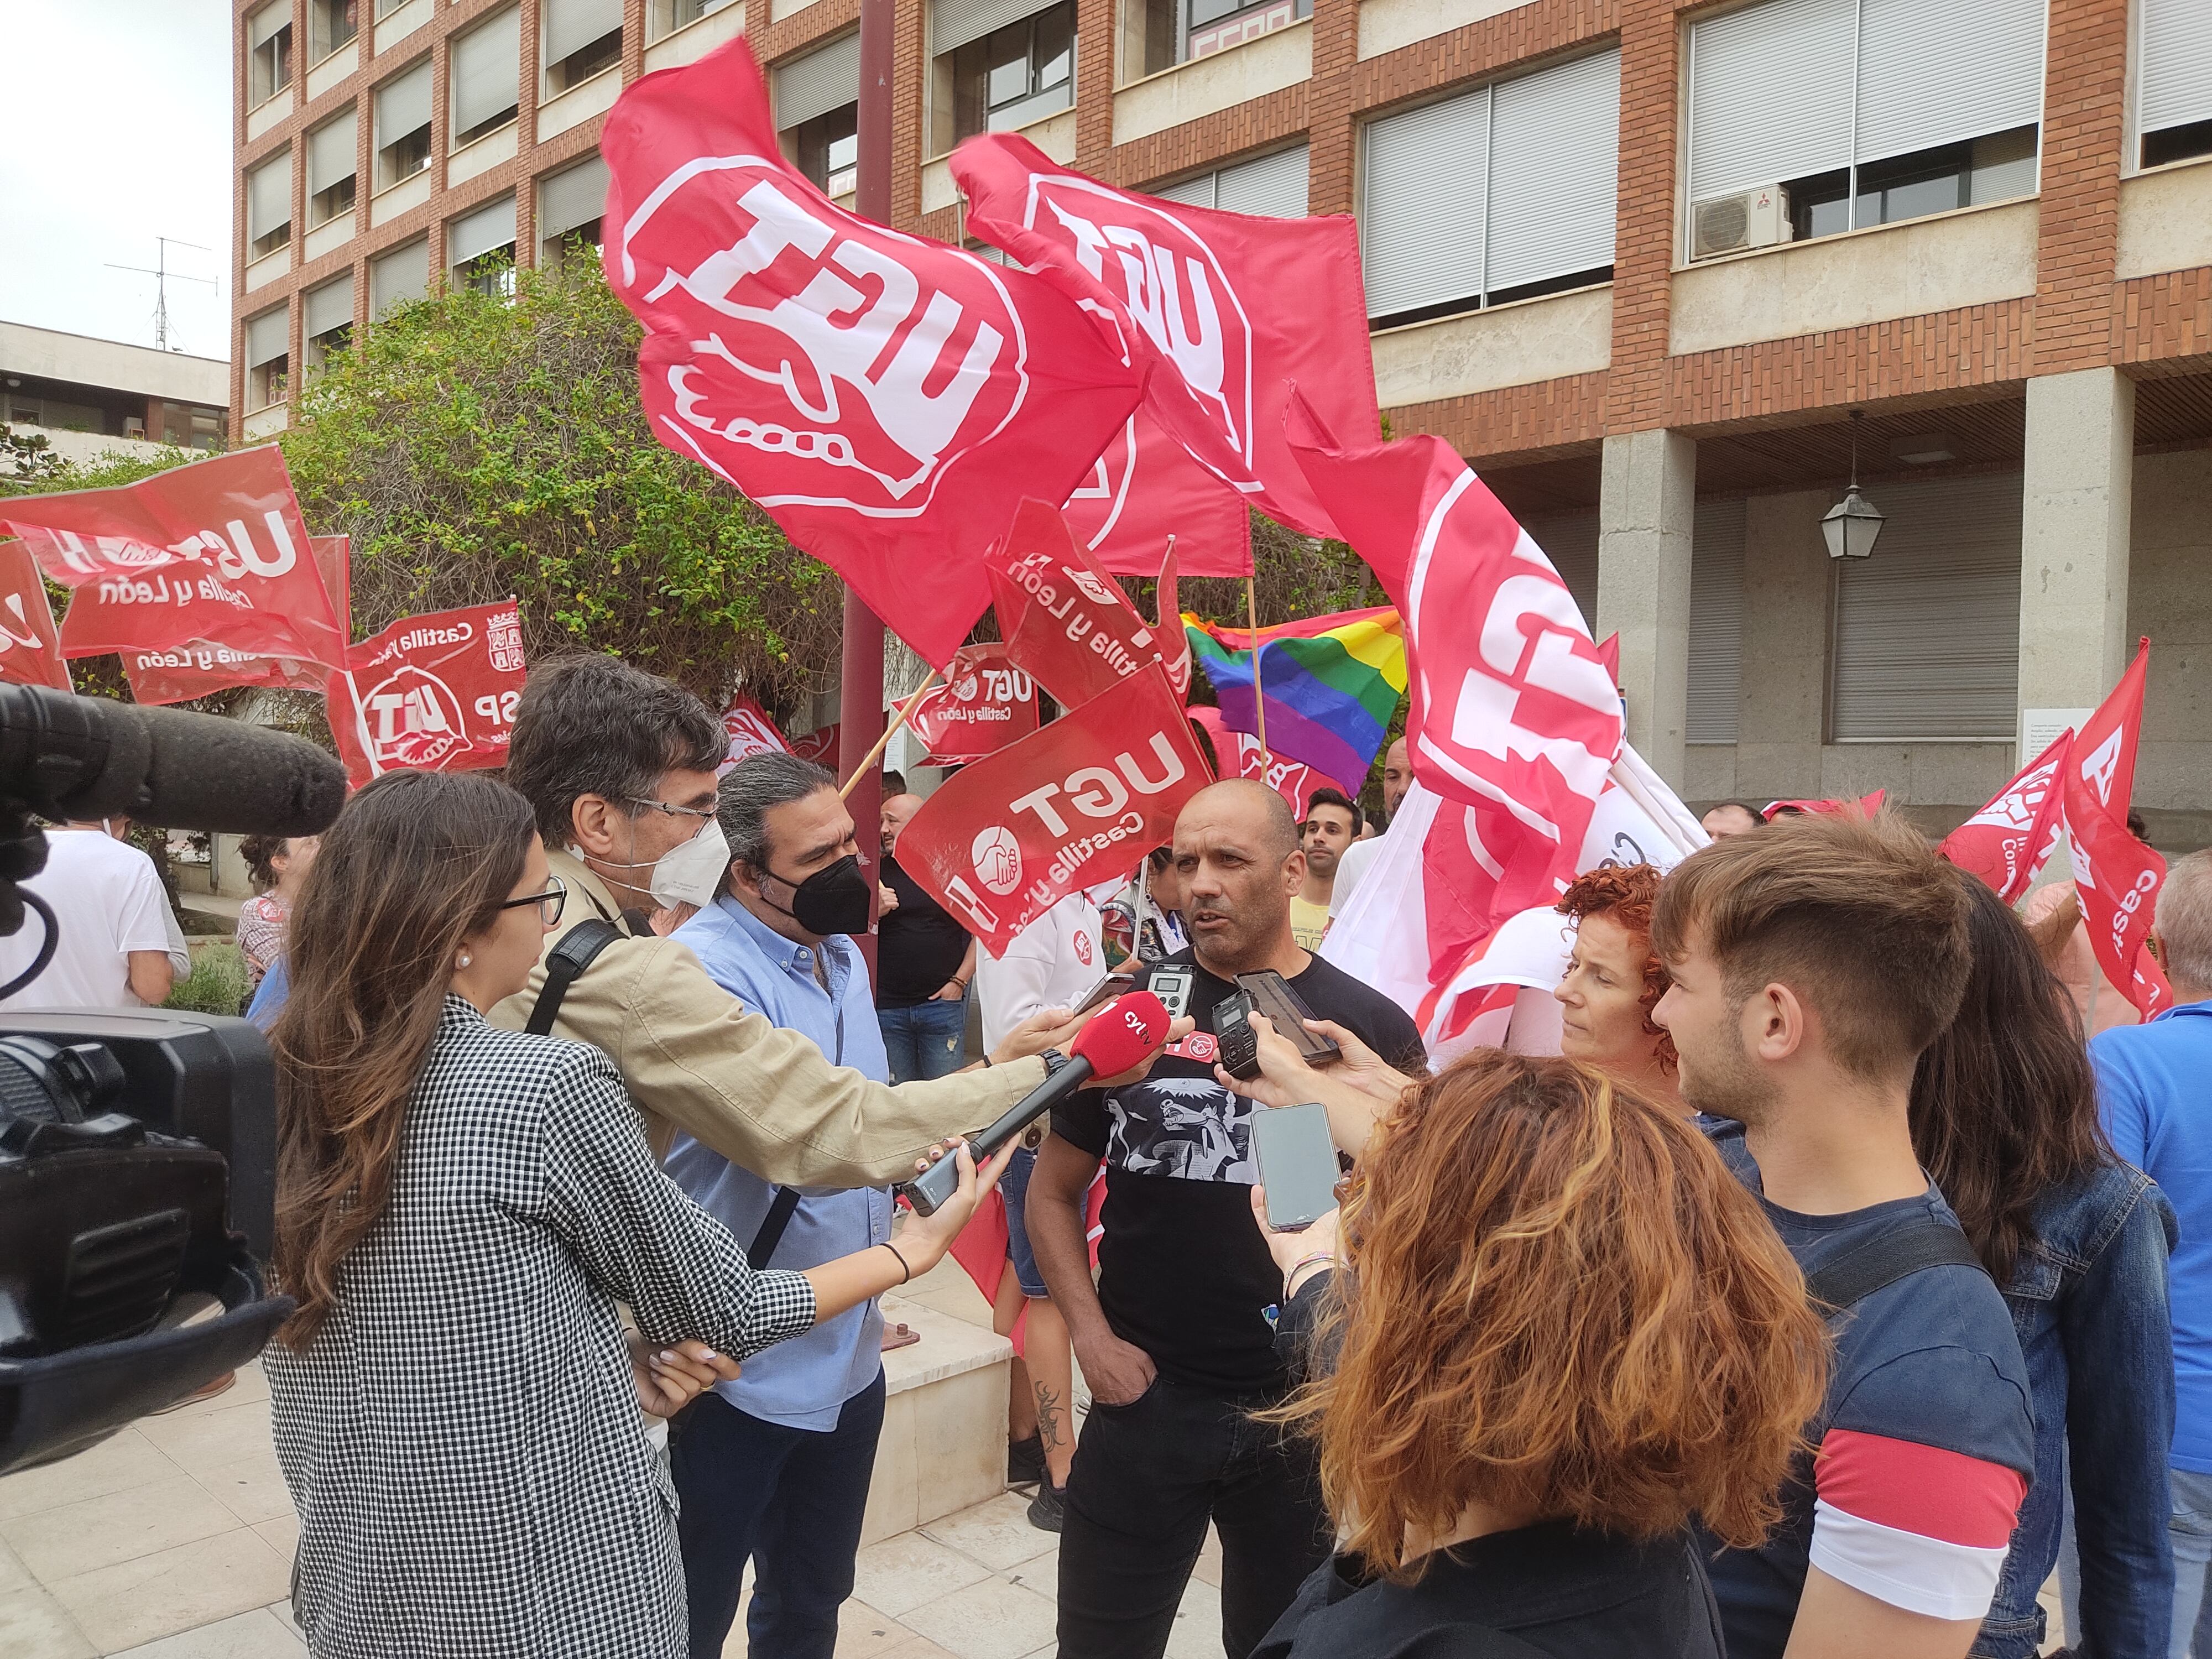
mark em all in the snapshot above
pixel 2088 1299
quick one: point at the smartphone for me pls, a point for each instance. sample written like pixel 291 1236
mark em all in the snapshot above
pixel 1273 995
pixel 1297 1163
pixel 1112 985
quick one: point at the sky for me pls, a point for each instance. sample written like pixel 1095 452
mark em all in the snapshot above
pixel 118 131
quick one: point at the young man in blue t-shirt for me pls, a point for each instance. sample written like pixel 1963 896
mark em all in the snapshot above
pixel 1813 960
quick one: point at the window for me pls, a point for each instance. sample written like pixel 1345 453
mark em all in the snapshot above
pixel 1857 112
pixel 1499 194
pixel 330 24
pixel 268 338
pixel 817 113
pixel 330 170
pixel 569 207
pixel 398 276
pixel 1570 542
pixel 1717 538
pixel 1273 183
pixel 480 248
pixel 664 17
pixel 402 125
pixel 997 68
pixel 2173 81
pixel 485 68
pixel 326 321
pixel 269 206
pixel 583 38
pixel 268 51
pixel 1157 34
pixel 192 426
pixel 1927 631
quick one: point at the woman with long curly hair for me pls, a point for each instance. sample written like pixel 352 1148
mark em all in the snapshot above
pixel 1568 1331
pixel 1614 980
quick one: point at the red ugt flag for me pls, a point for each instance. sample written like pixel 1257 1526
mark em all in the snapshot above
pixel 1229 310
pixel 985 703
pixel 2117 879
pixel 889 399
pixel 1145 489
pixel 1066 622
pixel 193 668
pixel 433 693
pixel 2006 843
pixel 1005 840
pixel 30 645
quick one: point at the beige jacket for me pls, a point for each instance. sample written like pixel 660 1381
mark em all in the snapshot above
pixel 695 1059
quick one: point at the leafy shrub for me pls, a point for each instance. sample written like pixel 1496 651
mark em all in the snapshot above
pixel 216 985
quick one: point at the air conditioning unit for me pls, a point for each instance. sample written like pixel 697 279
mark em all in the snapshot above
pixel 1728 224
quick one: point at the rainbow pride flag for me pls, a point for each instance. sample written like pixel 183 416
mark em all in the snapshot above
pixel 1332 684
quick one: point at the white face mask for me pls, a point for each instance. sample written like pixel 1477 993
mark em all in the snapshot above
pixel 692 873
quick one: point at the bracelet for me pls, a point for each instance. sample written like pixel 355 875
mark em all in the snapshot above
pixel 1305 1261
pixel 905 1270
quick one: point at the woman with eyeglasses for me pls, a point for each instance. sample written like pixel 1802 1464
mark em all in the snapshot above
pixel 459 1209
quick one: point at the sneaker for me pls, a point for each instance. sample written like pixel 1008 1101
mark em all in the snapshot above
pixel 1048 1508
pixel 1025 1461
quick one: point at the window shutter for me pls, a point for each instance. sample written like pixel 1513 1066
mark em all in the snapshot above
pixel 403 104
pixel 820 82
pixel 268 336
pixel 572 198
pixel 1941 71
pixel 329 154
pixel 480 232
pixel 1570 542
pixel 1422 204
pixel 267 22
pixel 2173 80
pixel 1770 94
pixel 403 274
pixel 1717 537
pixel 956 22
pixel 486 67
pixel 1192 192
pixel 269 197
pixel 572 25
pixel 1273 185
pixel 1926 639
pixel 1554 154
pixel 329 306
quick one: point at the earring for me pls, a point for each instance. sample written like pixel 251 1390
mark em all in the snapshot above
pixel 462 961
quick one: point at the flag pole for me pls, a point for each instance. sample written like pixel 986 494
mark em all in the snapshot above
pixel 866 768
pixel 1259 697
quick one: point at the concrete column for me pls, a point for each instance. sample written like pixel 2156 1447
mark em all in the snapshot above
pixel 2074 528
pixel 1646 503
pixel 1787 587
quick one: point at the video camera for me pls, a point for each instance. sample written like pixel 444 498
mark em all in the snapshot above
pixel 137 1147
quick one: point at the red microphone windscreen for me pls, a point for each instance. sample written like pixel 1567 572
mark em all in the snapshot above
pixel 1123 1033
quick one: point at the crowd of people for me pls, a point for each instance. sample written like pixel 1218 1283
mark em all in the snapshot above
pixel 1841 1279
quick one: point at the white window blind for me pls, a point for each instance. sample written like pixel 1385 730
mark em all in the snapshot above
pixel 826 79
pixel 1271 185
pixel 1942 71
pixel 1554 160
pixel 1570 541
pixel 403 274
pixel 1715 622
pixel 572 25
pixel 1191 193
pixel 478 233
pixel 1771 94
pixel 1927 632
pixel 269 197
pixel 1424 191
pixel 329 154
pixel 329 306
pixel 956 22
pixel 572 198
pixel 403 104
pixel 486 69
pixel 266 22
pixel 268 337
pixel 2173 65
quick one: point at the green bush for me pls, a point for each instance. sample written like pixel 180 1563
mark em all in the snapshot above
pixel 216 985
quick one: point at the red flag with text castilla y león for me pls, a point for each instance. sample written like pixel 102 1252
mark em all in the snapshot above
pixel 193 668
pixel 2007 841
pixel 1144 488
pixel 985 703
pixel 1066 622
pixel 887 399
pixel 434 693
pixel 214 552
pixel 30 645
pixel 2117 879
pixel 1085 799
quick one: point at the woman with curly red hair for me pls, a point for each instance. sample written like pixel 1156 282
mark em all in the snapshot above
pixel 1572 1330
pixel 1614 980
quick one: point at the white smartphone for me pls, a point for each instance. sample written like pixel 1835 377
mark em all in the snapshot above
pixel 1297 1163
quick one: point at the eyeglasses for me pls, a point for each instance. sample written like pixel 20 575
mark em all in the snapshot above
pixel 671 810
pixel 549 903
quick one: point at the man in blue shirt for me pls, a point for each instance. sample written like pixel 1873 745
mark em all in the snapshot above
pixel 2152 1084
pixel 774 1467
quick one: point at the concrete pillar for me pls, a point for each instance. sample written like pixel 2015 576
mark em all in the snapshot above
pixel 1646 503
pixel 1788 589
pixel 2074 529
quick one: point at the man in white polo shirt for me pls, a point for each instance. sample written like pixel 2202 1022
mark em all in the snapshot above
pixel 112 920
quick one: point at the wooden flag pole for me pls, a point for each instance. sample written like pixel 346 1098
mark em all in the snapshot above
pixel 1259 697
pixel 906 712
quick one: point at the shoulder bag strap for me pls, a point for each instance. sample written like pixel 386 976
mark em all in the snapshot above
pixel 772 1226
pixel 575 953
pixel 1881 1261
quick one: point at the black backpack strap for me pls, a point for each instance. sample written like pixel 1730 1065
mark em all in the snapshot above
pixel 772 1226
pixel 575 953
pixel 1882 1261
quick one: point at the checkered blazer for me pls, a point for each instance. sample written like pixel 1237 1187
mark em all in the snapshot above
pixel 461 1439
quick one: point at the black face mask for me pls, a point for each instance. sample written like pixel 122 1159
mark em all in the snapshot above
pixel 834 899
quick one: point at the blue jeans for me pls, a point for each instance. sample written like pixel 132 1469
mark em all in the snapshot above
pixel 924 1041
pixel 791 1501
pixel 2192 1556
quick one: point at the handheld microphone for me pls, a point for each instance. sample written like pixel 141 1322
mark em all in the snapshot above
pixel 1124 1033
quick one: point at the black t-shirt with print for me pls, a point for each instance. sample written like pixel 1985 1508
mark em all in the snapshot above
pixel 1182 1271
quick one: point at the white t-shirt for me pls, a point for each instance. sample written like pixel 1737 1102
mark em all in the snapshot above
pixel 1053 962
pixel 107 902
pixel 1351 870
